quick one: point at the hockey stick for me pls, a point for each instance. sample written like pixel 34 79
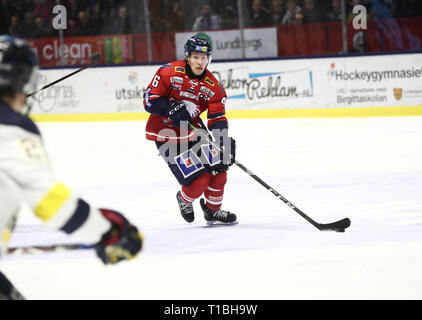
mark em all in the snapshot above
pixel 7 290
pixel 338 226
pixel 43 249
pixel 95 58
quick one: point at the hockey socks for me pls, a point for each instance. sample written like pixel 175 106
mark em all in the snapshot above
pixel 212 186
pixel 215 191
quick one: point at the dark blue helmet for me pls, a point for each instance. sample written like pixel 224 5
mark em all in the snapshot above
pixel 18 66
pixel 195 44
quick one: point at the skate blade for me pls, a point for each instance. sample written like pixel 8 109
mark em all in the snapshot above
pixel 219 223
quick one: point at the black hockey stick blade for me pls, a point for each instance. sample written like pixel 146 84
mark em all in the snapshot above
pixel 338 226
pixel 95 59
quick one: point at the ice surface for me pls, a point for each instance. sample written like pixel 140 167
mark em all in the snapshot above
pixel 367 169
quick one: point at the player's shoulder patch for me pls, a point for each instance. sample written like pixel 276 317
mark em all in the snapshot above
pixel 179 69
pixel 12 118
pixel 166 66
pixel 178 66
pixel 209 81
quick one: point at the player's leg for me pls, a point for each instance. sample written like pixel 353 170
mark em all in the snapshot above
pixel 215 191
pixel 187 195
pixel 214 199
pixel 189 171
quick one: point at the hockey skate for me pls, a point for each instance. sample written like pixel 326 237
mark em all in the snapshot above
pixel 220 217
pixel 186 209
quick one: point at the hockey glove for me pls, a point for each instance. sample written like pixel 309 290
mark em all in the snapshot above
pixel 178 113
pixel 227 155
pixel 122 242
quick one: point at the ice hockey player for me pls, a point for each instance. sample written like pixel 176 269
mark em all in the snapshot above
pixel 178 93
pixel 26 174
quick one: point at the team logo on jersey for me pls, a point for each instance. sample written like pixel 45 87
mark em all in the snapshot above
pixel 207 91
pixel 208 80
pixel 179 69
pixel 192 108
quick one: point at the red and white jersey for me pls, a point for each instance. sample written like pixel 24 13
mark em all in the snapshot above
pixel 171 81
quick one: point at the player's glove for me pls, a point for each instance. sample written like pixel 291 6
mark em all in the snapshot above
pixel 227 155
pixel 178 113
pixel 122 242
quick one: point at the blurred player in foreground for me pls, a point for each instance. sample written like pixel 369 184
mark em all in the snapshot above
pixel 178 93
pixel 26 174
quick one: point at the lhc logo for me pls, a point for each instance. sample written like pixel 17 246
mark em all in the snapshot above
pixel 331 72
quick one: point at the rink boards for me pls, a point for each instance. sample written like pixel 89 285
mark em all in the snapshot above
pixel 360 86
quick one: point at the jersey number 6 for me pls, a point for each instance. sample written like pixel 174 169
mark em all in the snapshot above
pixel 155 81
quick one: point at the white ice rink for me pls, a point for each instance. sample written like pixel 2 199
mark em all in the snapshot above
pixel 367 169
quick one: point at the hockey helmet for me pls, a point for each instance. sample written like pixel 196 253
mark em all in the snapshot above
pixel 18 66
pixel 196 44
